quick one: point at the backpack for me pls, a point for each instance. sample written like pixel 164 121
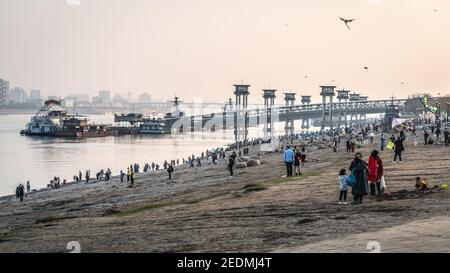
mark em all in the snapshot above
pixel 351 180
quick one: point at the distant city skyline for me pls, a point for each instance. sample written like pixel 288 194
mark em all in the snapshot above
pixel 199 49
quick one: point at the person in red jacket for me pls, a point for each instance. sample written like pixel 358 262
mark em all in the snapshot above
pixel 375 172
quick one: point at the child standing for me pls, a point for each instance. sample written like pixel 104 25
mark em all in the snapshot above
pixel 343 187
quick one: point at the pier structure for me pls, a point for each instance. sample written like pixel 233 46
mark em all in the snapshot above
pixel 354 116
pixel 343 96
pixel 228 107
pixel 363 116
pixel 241 120
pixel 269 102
pixel 327 92
pixel 289 127
pixel 238 117
pixel 306 100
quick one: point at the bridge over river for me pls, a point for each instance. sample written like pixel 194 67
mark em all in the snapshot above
pixel 349 109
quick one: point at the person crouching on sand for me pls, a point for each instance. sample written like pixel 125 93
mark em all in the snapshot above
pixel 421 185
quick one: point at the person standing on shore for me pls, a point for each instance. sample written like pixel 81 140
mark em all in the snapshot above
pixel 21 192
pixel 343 187
pixel 128 174
pixel 399 148
pixel 382 141
pixel 80 176
pixel 438 134
pixel 88 176
pixel 132 178
pixel 297 165
pixel 353 143
pixel 361 187
pixel 231 161
pixel 416 139
pixel 28 187
pixel 349 145
pixel 17 192
pixel 446 137
pixel 170 171
pixel 303 156
pixel 375 172
pixel 425 136
pixel 122 175
pixel 335 145
pixel 288 160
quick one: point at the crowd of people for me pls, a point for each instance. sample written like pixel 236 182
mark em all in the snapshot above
pixel 364 177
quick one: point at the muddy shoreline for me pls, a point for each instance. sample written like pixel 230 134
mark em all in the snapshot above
pixel 205 210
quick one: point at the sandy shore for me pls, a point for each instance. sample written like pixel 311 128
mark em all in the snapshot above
pixel 204 210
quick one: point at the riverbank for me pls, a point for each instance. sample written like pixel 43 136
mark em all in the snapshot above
pixel 205 210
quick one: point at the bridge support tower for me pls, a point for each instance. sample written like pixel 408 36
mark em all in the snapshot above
pixel 289 98
pixel 269 102
pixel 306 100
pixel 327 92
pixel 342 111
pixel 241 116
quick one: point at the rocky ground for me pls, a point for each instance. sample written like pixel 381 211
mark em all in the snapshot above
pixel 205 210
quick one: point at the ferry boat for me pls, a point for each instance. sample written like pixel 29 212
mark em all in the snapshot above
pixel 162 125
pixel 149 125
pixel 52 120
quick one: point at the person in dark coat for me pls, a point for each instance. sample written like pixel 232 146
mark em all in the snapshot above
pixel 399 148
pixel 446 137
pixel 21 192
pixel 438 134
pixel 170 171
pixel 358 168
pixel 231 161
pixel 17 192
pixel 425 136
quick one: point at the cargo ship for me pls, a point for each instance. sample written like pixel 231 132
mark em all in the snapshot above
pixel 52 120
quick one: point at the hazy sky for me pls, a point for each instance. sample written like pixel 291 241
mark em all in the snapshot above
pixel 200 48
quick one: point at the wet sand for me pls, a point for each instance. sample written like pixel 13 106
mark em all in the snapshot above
pixel 205 210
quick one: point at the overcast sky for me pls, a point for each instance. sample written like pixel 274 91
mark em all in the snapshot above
pixel 200 48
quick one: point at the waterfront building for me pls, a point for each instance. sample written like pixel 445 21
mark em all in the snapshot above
pixel 4 92
pixel 17 95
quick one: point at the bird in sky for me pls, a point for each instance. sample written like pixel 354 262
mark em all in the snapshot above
pixel 435 10
pixel 346 21
pixel 366 68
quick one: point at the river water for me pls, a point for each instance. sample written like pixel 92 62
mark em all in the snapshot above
pixel 38 159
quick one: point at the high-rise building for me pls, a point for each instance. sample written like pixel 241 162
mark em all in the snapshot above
pixel 35 97
pixel 82 98
pixel 17 95
pixel 130 97
pixel 35 94
pixel 105 96
pixel 4 88
pixel 145 98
